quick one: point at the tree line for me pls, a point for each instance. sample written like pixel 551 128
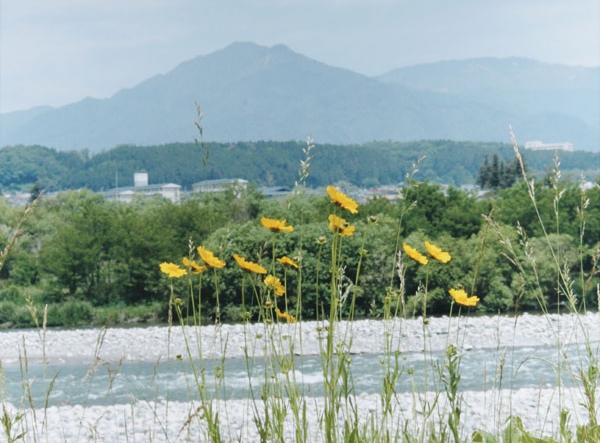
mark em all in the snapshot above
pixel 83 252
pixel 267 163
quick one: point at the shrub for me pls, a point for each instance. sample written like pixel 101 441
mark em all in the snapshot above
pixel 7 312
pixel 77 313
pixel 12 293
pixel 70 313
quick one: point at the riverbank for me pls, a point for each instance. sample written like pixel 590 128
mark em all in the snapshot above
pixel 158 342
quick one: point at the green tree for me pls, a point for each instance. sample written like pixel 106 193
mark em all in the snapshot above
pixel 76 254
pixel 139 240
pixel 499 173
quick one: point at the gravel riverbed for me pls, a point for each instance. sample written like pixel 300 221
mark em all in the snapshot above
pixel 167 421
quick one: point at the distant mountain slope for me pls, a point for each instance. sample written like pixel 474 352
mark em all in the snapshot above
pixel 12 121
pixel 554 102
pixel 250 92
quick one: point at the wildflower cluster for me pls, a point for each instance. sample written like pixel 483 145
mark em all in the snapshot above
pixel 272 282
pixel 337 225
pixel 458 295
pixel 173 270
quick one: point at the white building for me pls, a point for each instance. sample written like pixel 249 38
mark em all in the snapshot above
pixel 141 187
pixel 537 145
pixel 220 185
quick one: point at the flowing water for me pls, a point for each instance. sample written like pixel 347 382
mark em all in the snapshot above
pixel 105 383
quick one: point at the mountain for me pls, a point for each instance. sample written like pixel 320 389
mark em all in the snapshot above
pixel 251 92
pixel 12 120
pixel 553 102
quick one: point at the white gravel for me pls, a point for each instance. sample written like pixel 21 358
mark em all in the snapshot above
pixel 158 422
pixel 142 422
pixel 151 343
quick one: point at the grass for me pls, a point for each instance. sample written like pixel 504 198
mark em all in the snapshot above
pixel 279 406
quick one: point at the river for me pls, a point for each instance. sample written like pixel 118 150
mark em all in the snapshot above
pixel 103 383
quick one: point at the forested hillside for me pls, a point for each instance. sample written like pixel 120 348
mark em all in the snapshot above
pixel 271 163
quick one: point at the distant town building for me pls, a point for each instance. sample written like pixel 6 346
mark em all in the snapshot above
pixel 275 191
pixel 18 198
pixel 390 192
pixel 141 187
pixel 537 145
pixel 589 185
pixel 219 185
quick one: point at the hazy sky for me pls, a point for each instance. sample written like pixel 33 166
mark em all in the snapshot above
pixel 54 52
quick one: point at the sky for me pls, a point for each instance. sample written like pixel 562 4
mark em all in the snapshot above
pixel 56 52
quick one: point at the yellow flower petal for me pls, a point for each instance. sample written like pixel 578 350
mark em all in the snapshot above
pixel 342 200
pixel 276 225
pixel 248 265
pixel 414 254
pixel 437 253
pixel 285 316
pixel 172 270
pixel 209 258
pixel 286 261
pixel 195 267
pixel 460 297
pixel 274 283
pixel 340 226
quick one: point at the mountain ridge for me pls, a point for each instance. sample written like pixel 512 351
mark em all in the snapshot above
pixel 252 92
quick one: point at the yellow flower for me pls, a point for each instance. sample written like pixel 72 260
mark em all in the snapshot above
pixel 209 258
pixel 286 261
pixel 249 266
pixel 460 297
pixel 341 226
pixel 275 225
pixel 172 270
pixel 414 254
pixel 196 268
pixel 275 284
pixel 437 253
pixel 285 316
pixel 342 200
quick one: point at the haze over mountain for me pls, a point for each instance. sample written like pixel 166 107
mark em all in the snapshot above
pixel 251 92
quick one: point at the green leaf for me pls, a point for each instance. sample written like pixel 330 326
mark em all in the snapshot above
pixel 483 437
